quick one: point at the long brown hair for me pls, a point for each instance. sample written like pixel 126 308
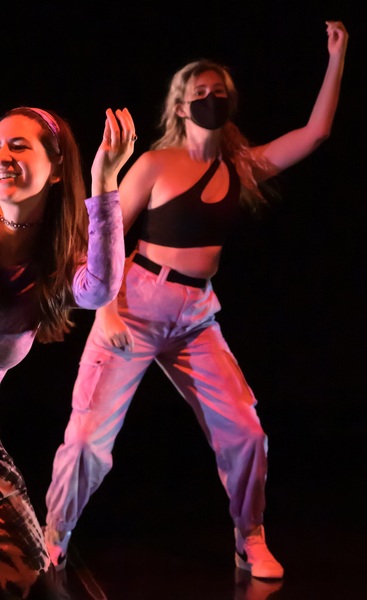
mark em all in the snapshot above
pixel 234 144
pixel 62 240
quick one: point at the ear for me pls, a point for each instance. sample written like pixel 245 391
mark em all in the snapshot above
pixel 179 109
pixel 55 175
pixel 54 179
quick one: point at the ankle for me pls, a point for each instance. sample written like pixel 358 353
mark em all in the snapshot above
pixel 255 531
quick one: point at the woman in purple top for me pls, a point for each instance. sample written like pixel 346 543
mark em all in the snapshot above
pixel 50 263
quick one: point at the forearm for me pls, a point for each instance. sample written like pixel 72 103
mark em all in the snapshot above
pixel 322 115
pixel 109 310
pixel 299 143
pixel 98 282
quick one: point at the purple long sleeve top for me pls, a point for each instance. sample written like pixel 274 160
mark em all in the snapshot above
pixel 95 283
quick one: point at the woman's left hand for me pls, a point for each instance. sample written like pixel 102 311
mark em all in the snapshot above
pixel 116 148
pixel 337 37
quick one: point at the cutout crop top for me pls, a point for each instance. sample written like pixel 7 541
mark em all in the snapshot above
pixel 188 222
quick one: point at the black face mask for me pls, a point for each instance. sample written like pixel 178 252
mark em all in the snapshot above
pixel 210 112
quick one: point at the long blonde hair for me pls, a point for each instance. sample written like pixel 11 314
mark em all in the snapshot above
pixel 234 145
pixel 62 241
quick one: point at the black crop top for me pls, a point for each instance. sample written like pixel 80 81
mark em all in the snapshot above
pixel 188 222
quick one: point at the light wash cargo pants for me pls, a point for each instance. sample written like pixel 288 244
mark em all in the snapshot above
pixel 174 325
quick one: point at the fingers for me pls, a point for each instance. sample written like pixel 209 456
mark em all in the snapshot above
pixel 107 132
pixel 335 24
pixel 337 37
pixel 127 124
pixel 123 341
pixel 112 131
pixel 335 28
pixel 119 127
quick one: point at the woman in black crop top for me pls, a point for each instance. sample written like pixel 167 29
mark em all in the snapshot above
pixel 187 187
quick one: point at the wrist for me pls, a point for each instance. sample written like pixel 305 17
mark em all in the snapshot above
pixel 336 63
pixel 337 56
pixel 103 187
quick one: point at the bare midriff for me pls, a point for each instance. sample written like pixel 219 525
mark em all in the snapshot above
pixel 195 262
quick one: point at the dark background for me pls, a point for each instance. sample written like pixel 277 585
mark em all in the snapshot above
pixel 291 284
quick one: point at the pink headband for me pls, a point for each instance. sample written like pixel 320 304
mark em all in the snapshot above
pixel 49 119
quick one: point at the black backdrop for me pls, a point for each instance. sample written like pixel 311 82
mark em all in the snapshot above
pixel 291 284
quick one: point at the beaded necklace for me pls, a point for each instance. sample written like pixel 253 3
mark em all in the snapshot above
pixel 18 225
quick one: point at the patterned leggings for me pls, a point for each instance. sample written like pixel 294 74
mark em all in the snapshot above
pixel 23 555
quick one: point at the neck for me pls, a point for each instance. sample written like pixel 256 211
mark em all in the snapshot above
pixel 203 145
pixel 23 214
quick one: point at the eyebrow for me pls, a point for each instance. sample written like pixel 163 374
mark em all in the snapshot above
pixel 19 138
pixel 216 85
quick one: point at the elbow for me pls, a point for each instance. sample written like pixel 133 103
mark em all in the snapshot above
pixel 97 297
pixel 110 295
pixel 320 138
pixel 325 135
pixel 316 133
pixel 105 296
pixel 321 133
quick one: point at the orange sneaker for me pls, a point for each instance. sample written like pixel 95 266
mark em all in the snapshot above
pixel 257 558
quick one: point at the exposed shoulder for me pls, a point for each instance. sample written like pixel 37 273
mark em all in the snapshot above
pixel 146 165
pixel 146 169
pixel 137 184
pixel 163 155
pixel 153 162
pixel 152 159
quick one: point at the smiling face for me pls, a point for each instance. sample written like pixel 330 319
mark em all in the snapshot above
pixel 25 169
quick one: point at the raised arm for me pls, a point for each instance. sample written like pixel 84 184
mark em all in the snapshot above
pixel 292 147
pixel 98 281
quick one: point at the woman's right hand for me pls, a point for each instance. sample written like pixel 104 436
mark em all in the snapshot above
pixel 337 38
pixel 115 149
pixel 117 332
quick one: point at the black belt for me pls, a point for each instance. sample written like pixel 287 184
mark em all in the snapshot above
pixel 173 276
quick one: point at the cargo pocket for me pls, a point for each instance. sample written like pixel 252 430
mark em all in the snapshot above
pixel 92 379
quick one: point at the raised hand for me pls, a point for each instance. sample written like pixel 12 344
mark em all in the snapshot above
pixel 337 37
pixel 115 149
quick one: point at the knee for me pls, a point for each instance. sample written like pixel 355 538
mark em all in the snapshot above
pixel 78 448
pixel 88 438
pixel 82 450
pixel 249 426
pixel 83 440
pixel 257 433
pixel 261 440
pixel 252 438
pixel 243 436
pixel 79 431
